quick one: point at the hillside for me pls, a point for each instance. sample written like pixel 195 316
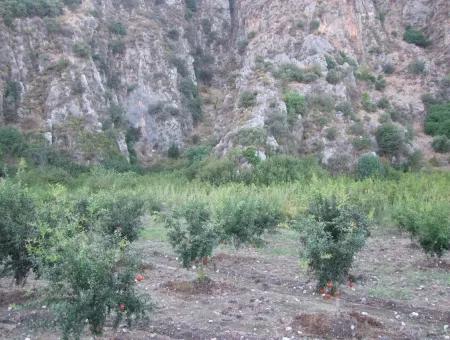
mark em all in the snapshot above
pixel 135 77
pixel 224 169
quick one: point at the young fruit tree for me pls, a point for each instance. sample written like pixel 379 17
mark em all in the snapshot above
pixel 192 234
pixel 91 275
pixel 17 230
pixel 90 278
pixel 332 234
pixel 112 215
pixel 245 221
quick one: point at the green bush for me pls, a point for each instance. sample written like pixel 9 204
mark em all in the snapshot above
pixel 275 169
pixel 364 74
pixel 445 82
pixel 414 161
pixel 277 124
pixel 191 98
pixel 331 133
pixel 72 3
pixel 333 77
pixel 40 154
pixel 247 99
pixel 243 221
pixel 385 117
pixel 339 164
pixel 59 66
pixel 12 142
pixel 321 102
pixel 11 9
pixel 362 143
pixel 114 81
pixel 18 229
pixel 11 100
pixel 251 155
pixel 217 171
pixel 345 107
pixel 343 58
pixel 390 139
pixel 198 153
pixel 173 34
pixel 332 234
pixel 417 67
pixel 300 24
pixel 191 5
pixel 291 72
pixel 285 169
pixel 192 233
pixel 314 25
pixel 89 280
pixel 310 77
pixel 120 216
pixel 251 137
pixel 429 99
pixel 416 37
pixel 203 66
pixel 331 63
pixel 120 163
pixel 429 224
pixel 383 103
pixel 369 166
pixel 380 83
pixel 441 144
pixel 388 68
pixel 117 113
pixel 180 66
pixel 367 103
pixel 437 121
pixel 357 129
pixel 242 45
pixel 173 151
pixel 117 28
pixel 81 49
pixel 295 105
pixel 48 174
pixel 117 46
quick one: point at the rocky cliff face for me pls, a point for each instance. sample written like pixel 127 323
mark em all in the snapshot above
pixel 142 75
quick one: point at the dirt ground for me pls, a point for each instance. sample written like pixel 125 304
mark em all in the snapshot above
pixel 269 294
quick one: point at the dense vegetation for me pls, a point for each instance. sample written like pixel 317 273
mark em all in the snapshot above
pixel 10 9
pixel 416 37
pixel 332 234
pixel 75 226
pixel 437 121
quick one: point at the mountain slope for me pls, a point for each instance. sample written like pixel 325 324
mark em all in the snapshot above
pixel 139 76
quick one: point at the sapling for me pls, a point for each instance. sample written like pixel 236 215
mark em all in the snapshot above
pixel 332 234
pixel 192 235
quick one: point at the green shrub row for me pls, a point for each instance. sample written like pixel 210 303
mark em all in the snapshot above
pixel 429 224
pixel 11 9
pixel 82 250
pixel 291 72
pixel 276 169
pixel 194 230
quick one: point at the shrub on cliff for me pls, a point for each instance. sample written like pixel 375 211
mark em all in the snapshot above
pixel 416 37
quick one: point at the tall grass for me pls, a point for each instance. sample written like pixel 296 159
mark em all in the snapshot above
pixel 380 198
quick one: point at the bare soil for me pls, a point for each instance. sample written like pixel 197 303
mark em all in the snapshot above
pixel 269 294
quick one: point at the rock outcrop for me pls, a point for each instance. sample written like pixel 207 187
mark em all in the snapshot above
pixel 142 75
